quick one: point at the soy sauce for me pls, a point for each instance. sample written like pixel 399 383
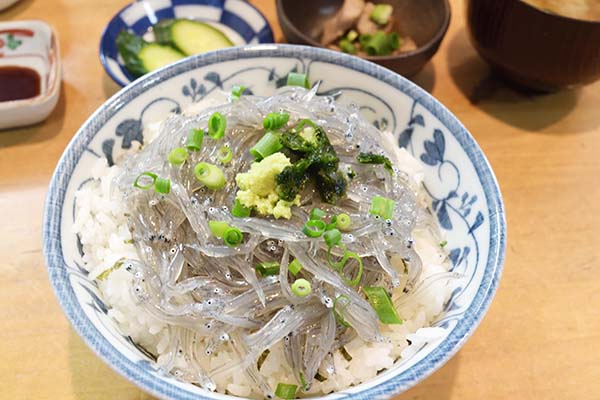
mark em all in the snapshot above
pixel 17 83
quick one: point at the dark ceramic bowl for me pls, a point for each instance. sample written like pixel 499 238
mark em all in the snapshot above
pixel 425 21
pixel 532 47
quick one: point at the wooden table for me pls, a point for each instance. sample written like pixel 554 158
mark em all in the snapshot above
pixel 541 337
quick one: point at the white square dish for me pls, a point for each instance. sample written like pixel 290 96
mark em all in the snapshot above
pixel 34 45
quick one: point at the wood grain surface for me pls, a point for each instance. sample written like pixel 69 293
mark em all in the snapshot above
pixel 541 337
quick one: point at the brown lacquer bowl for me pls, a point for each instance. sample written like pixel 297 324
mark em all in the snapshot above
pixel 425 21
pixel 533 47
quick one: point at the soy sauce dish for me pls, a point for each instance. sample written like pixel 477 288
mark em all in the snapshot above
pixel 30 72
pixel 274 221
pixel 146 35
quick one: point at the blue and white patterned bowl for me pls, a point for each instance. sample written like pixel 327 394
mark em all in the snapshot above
pixel 238 19
pixel 467 199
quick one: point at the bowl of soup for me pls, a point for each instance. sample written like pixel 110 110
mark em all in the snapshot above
pixel 541 44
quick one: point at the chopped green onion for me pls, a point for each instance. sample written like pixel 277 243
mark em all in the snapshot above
pixel 443 243
pixel 332 223
pixel 218 228
pixel 339 314
pixel 267 268
pixel 275 121
pixel 343 222
pixel 314 228
pixel 332 237
pixel 317 213
pixel 303 381
pixel 237 91
pixel 380 44
pixel 232 236
pixel 266 146
pixel 209 175
pixel 352 35
pixel 195 139
pixel 382 206
pixel 239 210
pixel 382 304
pixel 301 287
pixel 286 391
pixel 139 185
pixel 162 185
pixel 224 154
pixel 347 46
pixel 339 264
pixel 216 125
pixel 381 13
pixel 295 267
pixel 177 156
pixel 356 280
pixel 296 79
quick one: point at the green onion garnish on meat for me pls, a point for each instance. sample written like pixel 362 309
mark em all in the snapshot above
pixel 381 14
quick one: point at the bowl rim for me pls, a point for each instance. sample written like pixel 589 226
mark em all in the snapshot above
pixel 432 43
pixel 101 47
pixel 52 246
pixel 550 14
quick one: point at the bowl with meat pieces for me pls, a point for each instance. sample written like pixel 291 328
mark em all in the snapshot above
pixel 401 35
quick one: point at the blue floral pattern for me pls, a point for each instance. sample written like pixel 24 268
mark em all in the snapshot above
pixel 466 200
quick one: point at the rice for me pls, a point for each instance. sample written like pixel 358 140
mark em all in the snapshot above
pixel 102 225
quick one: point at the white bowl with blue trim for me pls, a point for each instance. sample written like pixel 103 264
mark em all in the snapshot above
pixel 241 22
pixel 466 197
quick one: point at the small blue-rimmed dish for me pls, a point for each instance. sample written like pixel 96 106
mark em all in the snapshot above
pixel 466 198
pixel 238 20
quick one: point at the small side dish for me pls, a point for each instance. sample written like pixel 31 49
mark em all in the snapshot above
pixel 174 39
pixel 365 29
pixel 30 72
pixel 181 28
